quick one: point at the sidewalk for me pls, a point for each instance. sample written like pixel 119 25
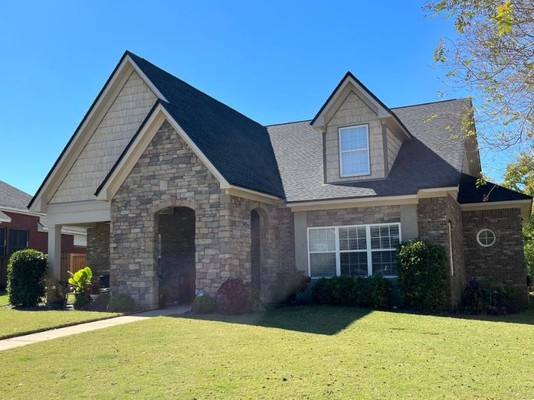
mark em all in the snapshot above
pixel 24 340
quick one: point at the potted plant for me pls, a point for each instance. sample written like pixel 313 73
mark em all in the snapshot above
pixel 80 281
pixel 94 290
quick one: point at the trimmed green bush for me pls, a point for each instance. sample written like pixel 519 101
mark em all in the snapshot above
pixel 204 304
pixel 26 273
pixel 372 292
pixel 422 278
pixel 121 303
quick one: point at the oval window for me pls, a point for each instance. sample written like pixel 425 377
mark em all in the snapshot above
pixel 486 238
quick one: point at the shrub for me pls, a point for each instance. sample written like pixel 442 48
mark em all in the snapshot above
pixel 422 279
pixel 121 303
pixel 26 272
pixel 495 298
pixel 204 304
pixel 234 297
pixel 287 285
pixel 373 292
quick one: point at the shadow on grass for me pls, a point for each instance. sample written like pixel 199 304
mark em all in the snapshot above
pixel 321 320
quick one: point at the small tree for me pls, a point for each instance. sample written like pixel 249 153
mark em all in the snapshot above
pixel 26 273
pixel 422 274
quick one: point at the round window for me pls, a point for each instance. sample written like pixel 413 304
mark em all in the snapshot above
pixel 486 238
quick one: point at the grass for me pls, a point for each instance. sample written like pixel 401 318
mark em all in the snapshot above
pixel 20 322
pixel 292 353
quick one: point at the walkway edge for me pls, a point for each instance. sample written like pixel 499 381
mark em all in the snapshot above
pixel 51 334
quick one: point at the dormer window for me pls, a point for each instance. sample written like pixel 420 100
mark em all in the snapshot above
pixel 354 151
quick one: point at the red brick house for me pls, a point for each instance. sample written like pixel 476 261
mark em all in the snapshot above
pixel 20 229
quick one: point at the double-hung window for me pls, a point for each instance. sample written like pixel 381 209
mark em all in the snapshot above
pixel 354 151
pixel 18 239
pixel 359 250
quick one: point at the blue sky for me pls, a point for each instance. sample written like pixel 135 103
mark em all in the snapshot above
pixel 274 61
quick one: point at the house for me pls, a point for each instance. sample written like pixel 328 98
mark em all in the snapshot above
pixel 21 229
pixel 180 192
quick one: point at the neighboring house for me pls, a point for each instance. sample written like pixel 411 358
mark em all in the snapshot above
pixel 181 192
pixel 21 229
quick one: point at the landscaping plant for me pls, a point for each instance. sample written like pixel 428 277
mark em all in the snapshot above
pixel 371 292
pixel 234 297
pixel 81 283
pixel 422 279
pixel 121 303
pixel 204 304
pixel 26 272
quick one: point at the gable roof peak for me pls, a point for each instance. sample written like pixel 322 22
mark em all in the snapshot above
pixel 354 84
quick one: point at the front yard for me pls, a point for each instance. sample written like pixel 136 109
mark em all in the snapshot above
pixel 19 322
pixel 293 353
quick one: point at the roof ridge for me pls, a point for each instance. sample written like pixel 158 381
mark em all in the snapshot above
pixel 288 123
pixel 135 56
pixel 428 102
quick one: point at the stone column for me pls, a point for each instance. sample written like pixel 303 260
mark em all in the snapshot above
pixel 54 251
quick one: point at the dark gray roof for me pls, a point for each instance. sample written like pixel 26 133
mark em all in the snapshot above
pixel 431 159
pixel 11 197
pixel 238 147
pixel 490 192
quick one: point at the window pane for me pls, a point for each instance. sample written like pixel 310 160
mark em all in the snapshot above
pixel 352 238
pixel 322 265
pixel 384 263
pixel 354 138
pixel 384 237
pixel 2 241
pixel 17 240
pixel 322 239
pixel 354 264
pixel 355 162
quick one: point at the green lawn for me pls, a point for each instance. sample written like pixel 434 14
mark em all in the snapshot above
pixel 292 353
pixel 19 322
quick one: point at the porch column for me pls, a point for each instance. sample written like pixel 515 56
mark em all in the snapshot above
pixel 54 251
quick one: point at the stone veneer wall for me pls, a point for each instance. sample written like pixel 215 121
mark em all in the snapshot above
pixel 434 215
pixel 169 174
pixel 98 248
pixel 504 261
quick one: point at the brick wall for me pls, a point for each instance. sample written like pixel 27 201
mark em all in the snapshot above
pixel 354 216
pixel 504 261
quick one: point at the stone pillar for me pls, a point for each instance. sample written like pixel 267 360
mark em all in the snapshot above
pixel 54 251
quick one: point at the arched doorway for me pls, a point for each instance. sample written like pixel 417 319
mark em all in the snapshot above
pixel 176 259
pixel 255 250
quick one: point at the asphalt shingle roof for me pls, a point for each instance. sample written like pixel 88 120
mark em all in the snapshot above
pixel 432 159
pixel 238 147
pixel 11 197
pixel 489 192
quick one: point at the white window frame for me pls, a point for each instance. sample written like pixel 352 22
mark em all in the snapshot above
pixel 342 152
pixel 369 250
pixel 486 230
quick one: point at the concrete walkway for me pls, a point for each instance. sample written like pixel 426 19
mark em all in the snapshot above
pixel 24 340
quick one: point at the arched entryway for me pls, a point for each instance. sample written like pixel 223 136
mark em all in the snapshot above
pixel 176 258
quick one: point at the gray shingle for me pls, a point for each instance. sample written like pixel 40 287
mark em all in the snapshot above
pixel 432 159
pixel 11 197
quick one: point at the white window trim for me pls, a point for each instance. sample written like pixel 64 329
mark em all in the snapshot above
pixel 341 152
pixel 486 245
pixel 338 252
